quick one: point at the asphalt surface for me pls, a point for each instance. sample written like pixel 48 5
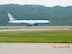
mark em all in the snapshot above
pixel 33 28
pixel 35 48
pixel 15 30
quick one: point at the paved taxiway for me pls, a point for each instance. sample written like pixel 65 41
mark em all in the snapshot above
pixel 15 30
pixel 34 48
pixel 33 28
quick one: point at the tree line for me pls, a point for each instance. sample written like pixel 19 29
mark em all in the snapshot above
pixel 58 15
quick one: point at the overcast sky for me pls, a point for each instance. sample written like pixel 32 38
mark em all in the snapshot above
pixel 39 2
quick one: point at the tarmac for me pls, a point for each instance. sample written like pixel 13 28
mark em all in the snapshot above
pixel 35 48
pixel 33 28
pixel 18 30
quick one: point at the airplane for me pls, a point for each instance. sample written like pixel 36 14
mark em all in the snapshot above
pixel 28 22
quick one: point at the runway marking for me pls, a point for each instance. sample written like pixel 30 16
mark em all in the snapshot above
pixel 61 46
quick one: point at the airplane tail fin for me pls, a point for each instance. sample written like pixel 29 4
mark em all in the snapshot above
pixel 11 18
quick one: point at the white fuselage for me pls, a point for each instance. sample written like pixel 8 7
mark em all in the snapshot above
pixel 30 21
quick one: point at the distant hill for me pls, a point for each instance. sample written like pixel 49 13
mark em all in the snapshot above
pixel 58 15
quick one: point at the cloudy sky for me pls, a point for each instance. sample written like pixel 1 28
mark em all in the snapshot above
pixel 39 2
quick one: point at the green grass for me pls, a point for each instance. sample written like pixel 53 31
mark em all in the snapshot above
pixel 64 36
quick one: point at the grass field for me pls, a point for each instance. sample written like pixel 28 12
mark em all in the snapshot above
pixel 64 36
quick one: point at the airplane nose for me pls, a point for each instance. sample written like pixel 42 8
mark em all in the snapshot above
pixel 49 22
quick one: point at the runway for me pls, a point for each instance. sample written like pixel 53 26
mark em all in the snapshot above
pixel 15 30
pixel 33 28
pixel 35 48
